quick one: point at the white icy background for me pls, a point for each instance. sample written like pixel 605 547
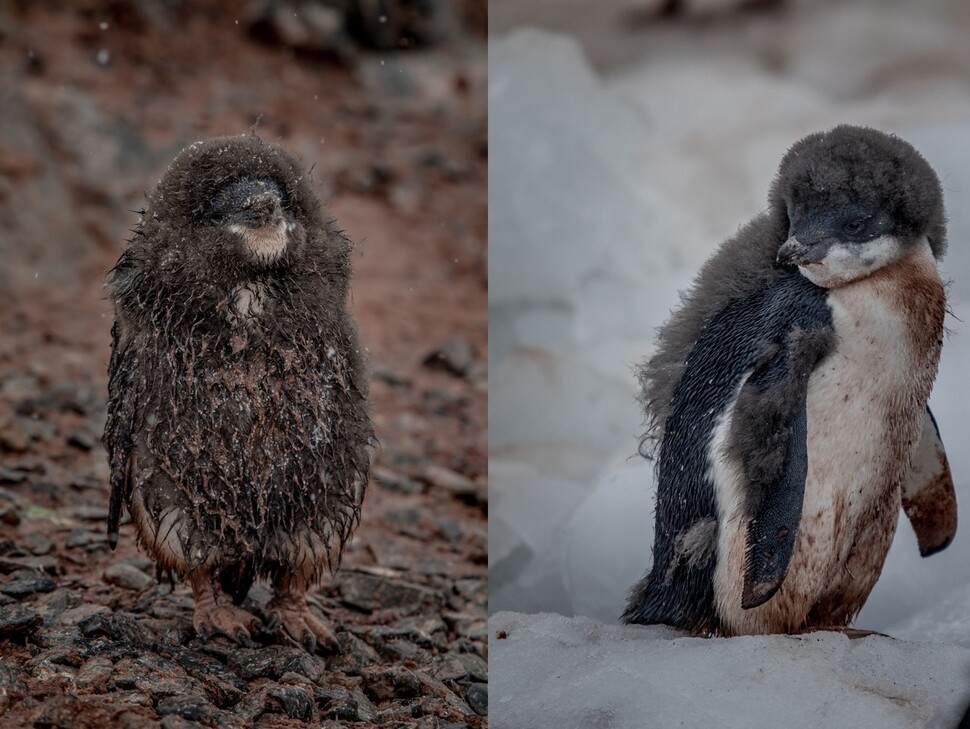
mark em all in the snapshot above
pixel 606 194
pixel 650 677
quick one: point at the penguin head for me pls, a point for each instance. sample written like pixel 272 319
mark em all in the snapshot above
pixel 854 200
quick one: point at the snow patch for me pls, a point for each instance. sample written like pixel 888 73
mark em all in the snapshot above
pixel 550 672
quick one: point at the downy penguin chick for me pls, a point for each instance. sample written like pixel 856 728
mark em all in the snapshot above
pixel 786 401
pixel 238 428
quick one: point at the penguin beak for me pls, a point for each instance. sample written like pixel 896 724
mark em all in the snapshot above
pixel 262 209
pixel 795 253
pixel 792 252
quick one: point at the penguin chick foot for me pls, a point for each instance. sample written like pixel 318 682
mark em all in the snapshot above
pixel 216 615
pixel 850 633
pixel 853 633
pixel 291 615
pixel 232 622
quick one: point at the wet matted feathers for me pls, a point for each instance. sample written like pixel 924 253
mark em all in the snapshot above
pixel 238 427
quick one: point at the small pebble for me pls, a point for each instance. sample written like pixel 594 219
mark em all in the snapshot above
pixel 397 482
pixel 94 674
pixel 477 696
pixel 83 538
pixel 454 356
pixel 11 475
pixel 458 485
pixel 193 707
pixel 24 586
pixel 10 515
pixel 39 564
pixel 17 620
pixel 82 441
pixel 37 543
pixel 372 592
pixel 295 700
pixel 127 576
pixel 88 512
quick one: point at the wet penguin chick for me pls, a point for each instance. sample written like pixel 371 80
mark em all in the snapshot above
pixel 786 401
pixel 238 429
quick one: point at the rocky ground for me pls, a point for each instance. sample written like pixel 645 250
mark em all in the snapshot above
pixel 96 100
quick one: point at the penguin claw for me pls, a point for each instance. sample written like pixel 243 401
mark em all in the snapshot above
pixel 297 623
pixel 332 645
pixel 309 642
pixel 211 620
pixel 241 636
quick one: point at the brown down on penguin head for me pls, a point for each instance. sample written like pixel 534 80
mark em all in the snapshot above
pixel 228 208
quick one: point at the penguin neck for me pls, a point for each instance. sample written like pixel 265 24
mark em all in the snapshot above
pixel 901 305
pixel 915 267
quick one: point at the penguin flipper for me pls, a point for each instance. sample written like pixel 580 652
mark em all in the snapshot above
pixel 770 436
pixel 772 530
pixel 929 498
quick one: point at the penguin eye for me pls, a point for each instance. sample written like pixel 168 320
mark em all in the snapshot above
pixel 854 227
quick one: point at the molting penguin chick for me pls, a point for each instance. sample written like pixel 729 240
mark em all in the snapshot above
pixel 237 429
pixel 786 401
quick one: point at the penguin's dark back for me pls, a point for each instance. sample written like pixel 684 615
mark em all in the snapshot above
pixel 678 591
pixel 741 267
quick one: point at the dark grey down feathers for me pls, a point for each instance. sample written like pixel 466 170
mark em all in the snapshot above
pixel 745 263
pixel 746 312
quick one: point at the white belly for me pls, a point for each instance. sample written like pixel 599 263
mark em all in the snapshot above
pixel 865 413
pixel 865 408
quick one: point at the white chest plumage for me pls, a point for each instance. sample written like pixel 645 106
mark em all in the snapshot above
pixel 865 408
pixel 267 243
pixel 247 302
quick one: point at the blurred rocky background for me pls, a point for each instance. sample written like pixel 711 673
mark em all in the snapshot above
pixel 385 99
pixel 628 139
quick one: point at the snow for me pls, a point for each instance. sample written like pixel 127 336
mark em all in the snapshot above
pixel 606 195
pixel 602 563
pixel 564 259
pixel 549 671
